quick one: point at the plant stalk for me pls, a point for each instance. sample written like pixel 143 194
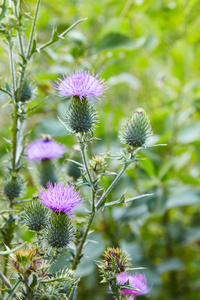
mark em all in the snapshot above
pixel 102 200
pixel 28 55
pixel 80 247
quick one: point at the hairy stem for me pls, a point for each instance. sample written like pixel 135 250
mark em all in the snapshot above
pixel 83 154
pixel 14 136
pixel 17 7
pixel 33 30
pixel 92 214
pixel 80 247
pixel 102 200
pixel 12 66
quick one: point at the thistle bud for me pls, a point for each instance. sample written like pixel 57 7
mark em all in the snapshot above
pixel 98 164
pixel 47 172
pixel 27 91
pixel 35 216
pixel 137 131
pixel 59 230
pixel 81 116
pixel 13 186
pixel 115 262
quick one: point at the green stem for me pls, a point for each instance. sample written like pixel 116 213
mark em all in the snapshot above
pixel 80 247
pixel 18 15
pixel 12 292
pixel 33 30
pixel 12 66
pixel 14 137
pixel 102 200
pixel 83 154
pixel 7 241
pixel 92 214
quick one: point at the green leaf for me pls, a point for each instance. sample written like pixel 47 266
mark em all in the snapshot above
pixel 55 37
pixel 137 197
pixel 3 10
pixel 34 48
pixel 127 78
pixel 73 294
pixel 189 133
pixel 171 264
pixel 115 202
pixel 116 40
pixel 53 127
pixel 9 251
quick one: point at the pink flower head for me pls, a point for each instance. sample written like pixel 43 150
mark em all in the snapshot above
pixel 82 85
pixel 60 197
pixel 137 281
pixel 44 149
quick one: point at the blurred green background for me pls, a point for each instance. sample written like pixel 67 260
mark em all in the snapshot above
pixel 148 52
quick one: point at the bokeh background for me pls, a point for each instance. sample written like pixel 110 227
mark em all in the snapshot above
pixel 148 52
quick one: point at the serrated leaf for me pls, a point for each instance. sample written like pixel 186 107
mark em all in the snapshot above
pixel 73 294
pixel 34 48
pixel 115 202
pixel 137 197
pixel 76 162
pixel 9 251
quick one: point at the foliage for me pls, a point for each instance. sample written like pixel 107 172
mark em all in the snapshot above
pixel 147 51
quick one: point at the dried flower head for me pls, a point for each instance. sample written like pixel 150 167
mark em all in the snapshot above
pixel 81 85
pixel 137 131
pixel 60 197
pixel 137 281
pixel 115 262
pixel 44 149
pixel 98 164
pixel 26 261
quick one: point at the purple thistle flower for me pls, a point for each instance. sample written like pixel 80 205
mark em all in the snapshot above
pixel 44 149
pixel 137 281
pixel 82 85
pixel 60 197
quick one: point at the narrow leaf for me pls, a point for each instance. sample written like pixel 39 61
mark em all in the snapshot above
pixel 9 251
pixel 3 10
pixel 137 197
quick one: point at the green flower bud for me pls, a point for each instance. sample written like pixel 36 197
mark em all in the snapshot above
pixel 137 131
pixel 13 186
pixel 27 91
pixel 59 230
pixel 47 172
pixel 35 216
pixel 81 116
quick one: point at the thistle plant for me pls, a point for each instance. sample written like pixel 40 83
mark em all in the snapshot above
pixel 45 151
pixel 51 212
pixel 113 269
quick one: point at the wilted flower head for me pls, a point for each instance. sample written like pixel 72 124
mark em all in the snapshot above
pixel 45 148
pixel 137 281
pixel 60 197
pixel 81 85
pixel 26 261
pixel 98 164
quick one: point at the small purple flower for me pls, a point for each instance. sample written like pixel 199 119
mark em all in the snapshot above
pixel 137 281
pixel 60 197
pixel 82 85
pixel 44 149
